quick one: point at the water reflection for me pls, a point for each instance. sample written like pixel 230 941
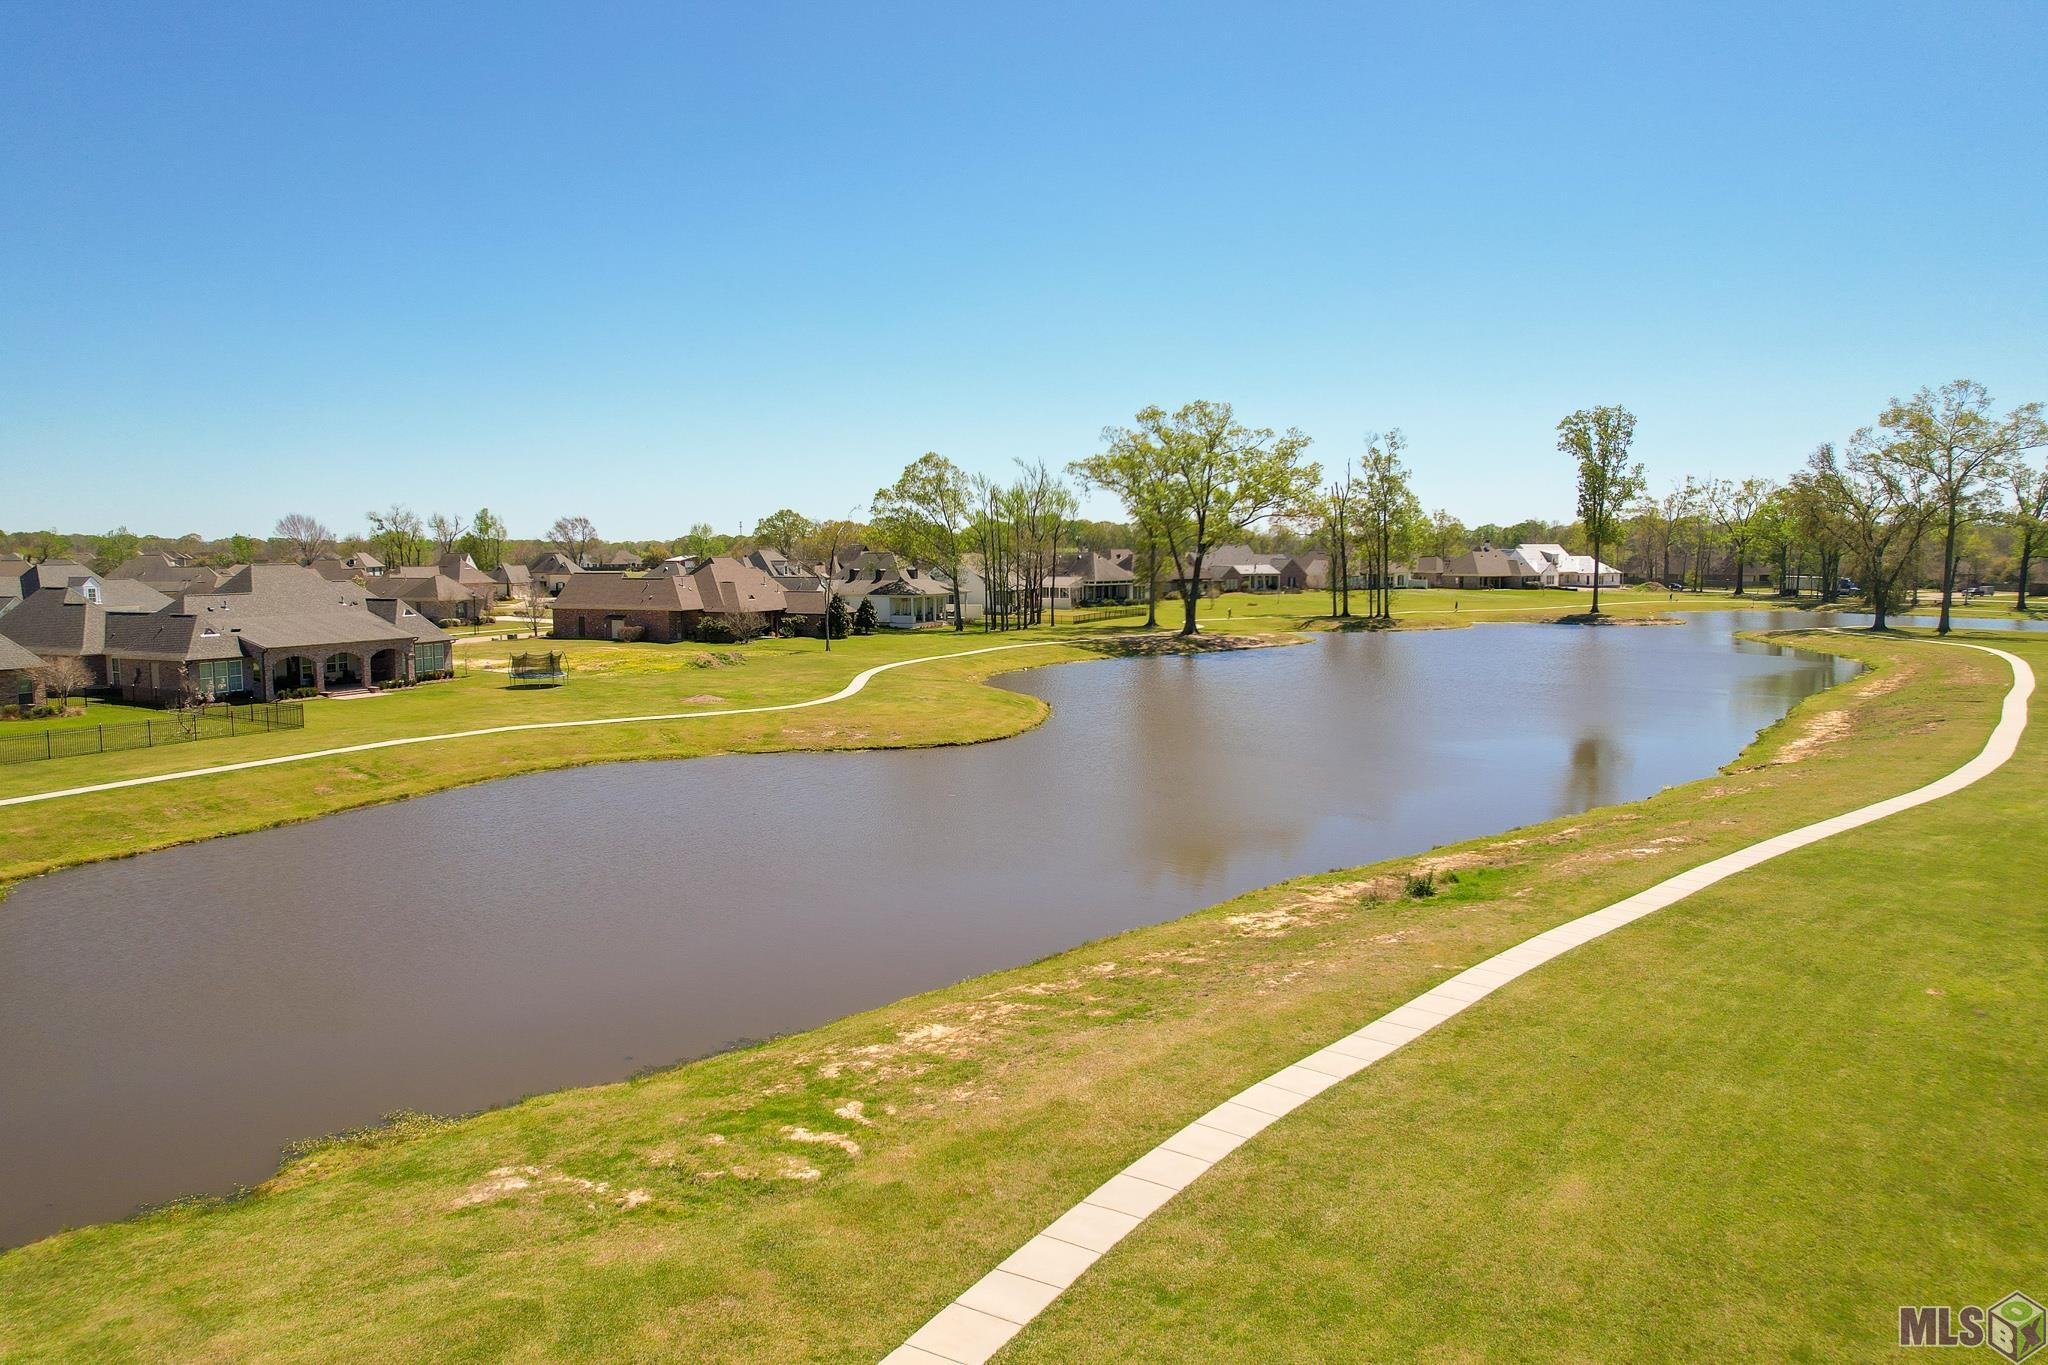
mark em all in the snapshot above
pixel 171 1020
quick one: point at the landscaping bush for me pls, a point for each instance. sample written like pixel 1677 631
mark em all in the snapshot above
pixel 714 630
pixel 632 635
pixel 864 618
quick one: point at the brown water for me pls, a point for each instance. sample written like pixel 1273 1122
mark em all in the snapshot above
pixel 168 1022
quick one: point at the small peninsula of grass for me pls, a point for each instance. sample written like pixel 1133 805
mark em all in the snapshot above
pixel 1672 1141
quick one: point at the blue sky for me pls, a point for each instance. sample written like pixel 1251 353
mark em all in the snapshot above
pixel 657 264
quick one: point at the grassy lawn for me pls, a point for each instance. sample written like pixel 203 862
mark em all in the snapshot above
pixel 94 713
pixel 1755 1122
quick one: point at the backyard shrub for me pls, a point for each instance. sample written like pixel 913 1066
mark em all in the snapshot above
pixel 714 631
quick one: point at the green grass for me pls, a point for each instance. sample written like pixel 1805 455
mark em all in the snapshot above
pixel 90 714
pixel 1612 1157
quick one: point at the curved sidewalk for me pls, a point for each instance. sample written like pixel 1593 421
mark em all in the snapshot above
pixel 982 1320
pixel 859 681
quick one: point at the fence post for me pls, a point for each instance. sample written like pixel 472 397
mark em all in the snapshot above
pixel 48 752
pixel 103 738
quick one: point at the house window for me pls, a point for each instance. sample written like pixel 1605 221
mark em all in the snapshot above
pixel 215 677
pixel 430 657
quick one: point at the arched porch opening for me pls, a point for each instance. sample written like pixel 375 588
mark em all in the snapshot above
pixel 341 670
pixel 291 672
pixel 387 665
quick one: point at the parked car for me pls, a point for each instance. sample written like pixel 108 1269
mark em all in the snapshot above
pixel 1981 590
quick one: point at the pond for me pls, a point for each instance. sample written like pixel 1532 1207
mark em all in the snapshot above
pixel 172 1020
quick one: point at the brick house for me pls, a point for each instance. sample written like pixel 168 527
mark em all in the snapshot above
pixel 666 607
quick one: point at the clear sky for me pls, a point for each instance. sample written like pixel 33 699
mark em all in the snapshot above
pixel 663 263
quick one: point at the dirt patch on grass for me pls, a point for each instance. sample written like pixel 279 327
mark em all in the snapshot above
pixel 503 1182
pixel 703 699
pixel 1827 728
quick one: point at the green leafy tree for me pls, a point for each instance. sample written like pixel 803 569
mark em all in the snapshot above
pixel 1744 519
pixel 924 515
pixel 1877 503
pixel 784 531
pixel 863 617
pixel 242 549
pixel 114 548
pixel 485 540
pixel 1951 437
pixel 1599 441
pixel 836 618
pixel 2029 515
pixel 1198 475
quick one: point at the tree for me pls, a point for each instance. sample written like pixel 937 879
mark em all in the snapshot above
pixel 2029 514
pixel 574 537
pixel 1197 474
pixel 114 548
pixel 1445 534
pixel 1599 440
pixel 1387 516
pixel 1878 503
pixel 241 549
pixel 1337 515
pixel 307 536
pixel 923 514
pixel 63 675
pixel 1744 518
pixel 485 542
pixel 836 620
pixel 1950 436
pixel 534 599
pixel 863 616
pixel 448 532
pixel 398 536
pixel 784 530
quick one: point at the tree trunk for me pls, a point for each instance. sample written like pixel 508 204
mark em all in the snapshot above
pixel 1948 567
pixel 2026 563
pixel 1596 577
pixel 1738 571
pixel 1152 588
pixel 1191 593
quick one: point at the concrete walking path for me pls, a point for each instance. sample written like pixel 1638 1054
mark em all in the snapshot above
pixel 983 1319
pixel 860 680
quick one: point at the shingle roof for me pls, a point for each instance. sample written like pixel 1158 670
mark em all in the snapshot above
pixel 14 656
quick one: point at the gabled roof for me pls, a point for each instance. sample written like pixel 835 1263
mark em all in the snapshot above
pixel 14 656
pixel 430 586
pixel 554 561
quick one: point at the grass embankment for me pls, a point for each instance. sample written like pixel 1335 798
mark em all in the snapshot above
pixel 940 703
pixel 1758 1120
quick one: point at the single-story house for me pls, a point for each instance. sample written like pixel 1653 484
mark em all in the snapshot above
pixel 666 607
pixel 905 595
pixel 437 595
pixel 511 579
pixel 1091 580
pixel 1487 567
pixel 166 572
pixel 1562 569
pixel 266 629
pixel 555 569
pixel 1308 571
pixel 1430 571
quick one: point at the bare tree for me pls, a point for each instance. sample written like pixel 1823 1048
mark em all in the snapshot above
pixel 533 601
pixel 307 536
pixel 63 675
pixel 398 535
pixel 574 537
pixel 447 531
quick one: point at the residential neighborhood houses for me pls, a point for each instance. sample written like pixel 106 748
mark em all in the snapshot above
pixel 159 627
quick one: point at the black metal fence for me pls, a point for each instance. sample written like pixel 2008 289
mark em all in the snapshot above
pixel 1115 611
pixel 177 727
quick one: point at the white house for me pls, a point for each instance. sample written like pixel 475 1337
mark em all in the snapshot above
pixel 1558 568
